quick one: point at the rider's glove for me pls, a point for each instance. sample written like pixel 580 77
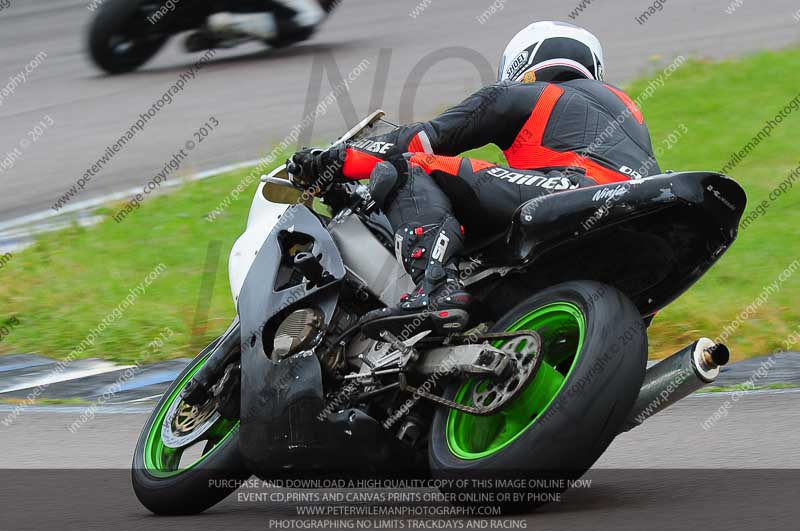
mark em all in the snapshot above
pixel 316 169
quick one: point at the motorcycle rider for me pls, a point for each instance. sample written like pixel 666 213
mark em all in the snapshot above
pixel 273 20
pixel 560 127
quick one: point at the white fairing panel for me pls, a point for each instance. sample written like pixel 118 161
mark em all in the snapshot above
pixel 264 215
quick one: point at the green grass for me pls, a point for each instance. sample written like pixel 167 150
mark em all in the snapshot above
pixel 46 401
pixel 723 106
pixel 743 387
pixel 64 285
pixel 68 282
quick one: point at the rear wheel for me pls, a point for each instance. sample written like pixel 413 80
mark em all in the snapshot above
pixel 121 39
pixel 187 458
pixel 594 348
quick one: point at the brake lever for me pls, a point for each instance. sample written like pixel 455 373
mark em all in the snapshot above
pixel 278 181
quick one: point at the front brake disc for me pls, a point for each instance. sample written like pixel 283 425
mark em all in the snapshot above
pixel 184 424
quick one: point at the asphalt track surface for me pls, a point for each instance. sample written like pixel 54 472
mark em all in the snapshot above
pixel 258 96
pixel 669 473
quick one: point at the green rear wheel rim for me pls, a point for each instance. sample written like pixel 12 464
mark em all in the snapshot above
pixel 562 327
pixel 162 461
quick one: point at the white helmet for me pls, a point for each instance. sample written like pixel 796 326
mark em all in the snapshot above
pixel 552 51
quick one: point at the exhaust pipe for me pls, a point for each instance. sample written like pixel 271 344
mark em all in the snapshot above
pixel 674 378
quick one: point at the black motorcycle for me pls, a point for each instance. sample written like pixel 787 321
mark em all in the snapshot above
pixel 125 34
pixel 550 371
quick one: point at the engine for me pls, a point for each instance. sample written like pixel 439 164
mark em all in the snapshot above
pixel 297 332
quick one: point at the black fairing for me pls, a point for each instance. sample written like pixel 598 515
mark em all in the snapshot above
pixel 652 242
pixel 280 401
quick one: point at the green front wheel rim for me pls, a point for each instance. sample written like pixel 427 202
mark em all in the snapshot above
pixel 162 461
pixel 562 327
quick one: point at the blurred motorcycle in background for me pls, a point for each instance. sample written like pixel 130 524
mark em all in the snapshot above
pixel 125 34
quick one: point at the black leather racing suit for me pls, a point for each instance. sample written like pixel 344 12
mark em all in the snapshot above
pixel 555 137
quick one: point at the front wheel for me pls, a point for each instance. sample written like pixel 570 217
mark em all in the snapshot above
pixel 594 347
pixel 121 38
pixel 187 458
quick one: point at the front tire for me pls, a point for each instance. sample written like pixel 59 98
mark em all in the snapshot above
pixel 595 352
pixel 121 39
pixel 167 486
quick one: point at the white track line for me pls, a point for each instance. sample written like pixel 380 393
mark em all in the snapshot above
pixel 98 201
pixel 150 398
pixel 106 409
pixel 74 373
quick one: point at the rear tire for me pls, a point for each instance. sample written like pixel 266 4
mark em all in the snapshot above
pixel 170 490
pixel 120 37
pixel 595 348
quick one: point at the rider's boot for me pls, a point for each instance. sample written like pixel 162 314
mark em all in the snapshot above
pixel 439 302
